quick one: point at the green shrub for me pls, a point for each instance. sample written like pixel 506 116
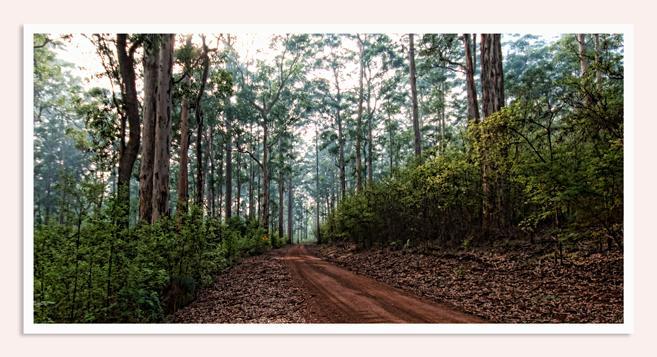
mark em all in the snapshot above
pixel 561 178
pixel 102 273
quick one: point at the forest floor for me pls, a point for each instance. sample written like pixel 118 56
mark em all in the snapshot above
pixel 340 284
pixel 290 285
pixel 259 289
pixel 498 285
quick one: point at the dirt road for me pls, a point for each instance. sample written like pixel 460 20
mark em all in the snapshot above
pixel 340 296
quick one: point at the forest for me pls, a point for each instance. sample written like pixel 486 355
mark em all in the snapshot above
pixel 164 163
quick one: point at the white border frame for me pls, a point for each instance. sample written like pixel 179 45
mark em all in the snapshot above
pixel 29 327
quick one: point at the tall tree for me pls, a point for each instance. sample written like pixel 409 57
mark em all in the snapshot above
pixel 359 118
pixel 252 174
pixel 412 78
pixel 228 141
pixel 492 77
pixel 151 70
pixel 317 190
pixel 371 109
pixel 163 129
pixel 335 66
pixel 211 181
pixel 238 173
pixel 598 63
pixel 471 89
pixel 281 187
pixel 199 126
pixel 128 150
pixel 183 175
pixel 583 60
pixel 492 85
pixel 265 104
pixel 290 210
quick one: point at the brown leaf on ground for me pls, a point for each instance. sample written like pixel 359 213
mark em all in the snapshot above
pixel 499 287
pixel 257 290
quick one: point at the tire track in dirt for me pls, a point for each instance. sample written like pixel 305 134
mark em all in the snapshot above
pixel 340 296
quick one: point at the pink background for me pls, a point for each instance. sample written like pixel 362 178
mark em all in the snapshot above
pixel 13 343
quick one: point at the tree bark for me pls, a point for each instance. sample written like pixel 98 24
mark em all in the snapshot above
pixel 290 209
pixel 473 111
pixel 359 173
pixel 183 176
pixel 211 181
pixel 220 176
pixel 391 144
pixel 443 143
pixel 131 108
pixel 238 173
pixel 492 83
pixel 229 165
pixel 317 196
pixel 163 130
pixel 583 61
pixel 338 117
pixel 251 180
pixel 265 175
pixel 281 209
pixel 412 76
pixel 151 65
pixel 492 77
pixel 598 63
pixel 471 89
pixel 199 128
pixel 206 166
pixel 370 141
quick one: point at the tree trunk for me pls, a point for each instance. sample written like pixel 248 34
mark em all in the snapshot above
pixel 359 173
pixel 492 77
pixel 129 153
pixel 211 183
pixel 151 65
pixel 317 197
pixel 391 150
pixel 473 112
pixel 206 166
pixel 492 83
pixel 583 61
pixel 229 165
pixel 258 206
pixel 281 209
pixel 471 89
pixel 443 143
pixel 416 120
pixel 163 130
pixel 251 181
pixel 598 63
pixel 183 178
pixel 199 128
pixel 290 209
pixel 343 182
pixel 220 181
pixel 265 176
pixel 238 173
pixel 370 141
pixel 474 53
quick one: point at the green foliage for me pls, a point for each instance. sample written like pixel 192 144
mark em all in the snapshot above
pixel 553 161
pixel 437 199
pixel 89 270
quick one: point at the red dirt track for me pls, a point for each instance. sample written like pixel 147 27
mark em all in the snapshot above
pixel 340 296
